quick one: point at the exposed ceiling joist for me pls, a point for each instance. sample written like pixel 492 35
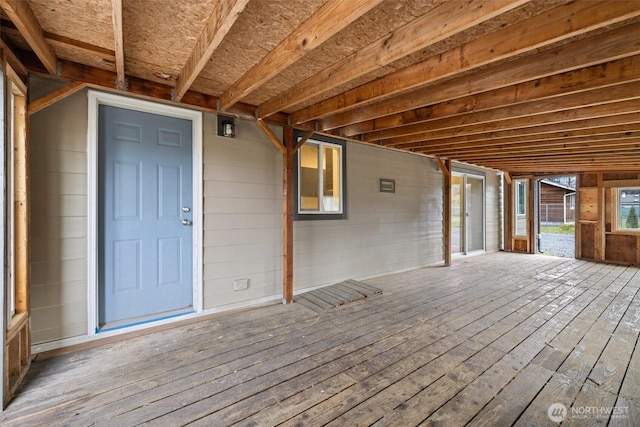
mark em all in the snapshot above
pixel 334 16
pixel 586 144
pixel 564 103
pixel 620 43
pixel 222 19
pixel 449 18
pixel 581 113
pixel 533 135
pixel 572 82
pixel 118 38
pixel 560 23
pixel 22 16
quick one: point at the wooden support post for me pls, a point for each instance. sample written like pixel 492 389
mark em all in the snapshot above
pixel 446 209
pixel 287 216
pixel 531 215
pixel 600 235
pixel 508 215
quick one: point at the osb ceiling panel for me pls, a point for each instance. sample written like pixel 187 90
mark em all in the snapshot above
pixel 87 20
pixel 380 21
pixel 262 26
pixel 160 34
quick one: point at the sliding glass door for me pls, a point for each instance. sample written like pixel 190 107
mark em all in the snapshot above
pixel 467 213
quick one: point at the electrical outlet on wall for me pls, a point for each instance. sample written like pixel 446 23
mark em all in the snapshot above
pixel 240 284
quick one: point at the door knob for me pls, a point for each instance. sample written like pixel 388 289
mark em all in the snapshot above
pixel 186 222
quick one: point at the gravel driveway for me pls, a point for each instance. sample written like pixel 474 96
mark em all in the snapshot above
pixel 563 245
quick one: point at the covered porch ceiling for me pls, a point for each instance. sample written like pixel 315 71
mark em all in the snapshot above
pixel 523 86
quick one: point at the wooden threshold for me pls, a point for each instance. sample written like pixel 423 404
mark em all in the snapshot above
pixel 336 295
pixel 492 340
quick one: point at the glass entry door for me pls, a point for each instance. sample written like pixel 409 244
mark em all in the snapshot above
pixel 467 213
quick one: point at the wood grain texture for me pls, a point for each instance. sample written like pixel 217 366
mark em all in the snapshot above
pixel 334 16
pixel 439 346
pixel 450 18
pixel 22 16
pixel 222 19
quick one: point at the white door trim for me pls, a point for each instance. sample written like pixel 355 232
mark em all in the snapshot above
pixel 97 98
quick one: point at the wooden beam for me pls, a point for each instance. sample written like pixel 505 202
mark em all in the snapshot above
pixel 443 167
pixel 22 16
pixel 560 23
pixel 287 216
pixel 334 16
pixel 303 140
pixel 105 80
pixel 615 140
pixel 12 60
pixel 437 24
pixel 272 136
pixel 566 131
pixel 223 17
pixel 580 113
pixel 55 96
pixel 552 131
pixel 604 146
pixel 616 44
pixel 118 37
pixel 56 39
pixel 624 70
pixel 507 177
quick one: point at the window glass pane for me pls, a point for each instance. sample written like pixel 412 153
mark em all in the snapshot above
pixel 331 179
pixel 309 177
pixel 520 228
pixel 628 208
pixel 521 197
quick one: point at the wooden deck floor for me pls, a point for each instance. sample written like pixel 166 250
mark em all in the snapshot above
pixel 492 340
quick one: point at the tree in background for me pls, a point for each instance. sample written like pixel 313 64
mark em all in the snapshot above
pixel 632 218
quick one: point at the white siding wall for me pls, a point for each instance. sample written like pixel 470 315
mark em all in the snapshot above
pixel 384 232
pixel 242 214
pixel 58 179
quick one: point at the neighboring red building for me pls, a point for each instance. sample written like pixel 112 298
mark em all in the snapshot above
pixel 557 202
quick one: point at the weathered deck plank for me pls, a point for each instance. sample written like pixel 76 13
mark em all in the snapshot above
pixel 491 340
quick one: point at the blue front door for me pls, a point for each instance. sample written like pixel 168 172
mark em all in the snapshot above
pixel 145 199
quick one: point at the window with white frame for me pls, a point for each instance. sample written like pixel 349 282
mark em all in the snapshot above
pixel 628 209
pixel 520 201
pixel 320 179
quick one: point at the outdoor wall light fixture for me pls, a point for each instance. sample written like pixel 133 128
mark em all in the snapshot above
pixel 226 126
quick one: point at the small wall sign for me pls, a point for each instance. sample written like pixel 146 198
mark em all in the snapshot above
pixel 387 185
